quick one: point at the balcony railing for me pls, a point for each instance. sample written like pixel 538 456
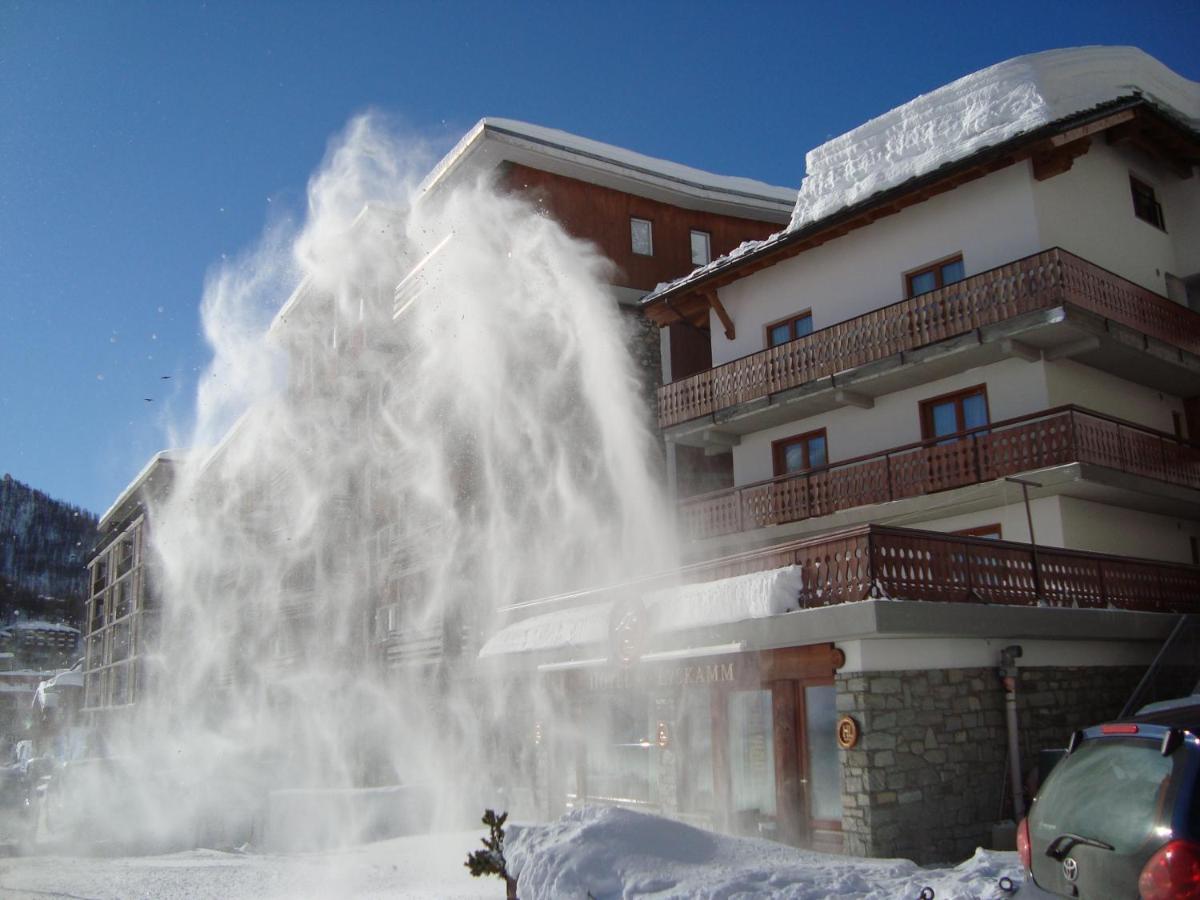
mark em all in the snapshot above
pixel 1045 280
pixel 904 564
pixel 1055 437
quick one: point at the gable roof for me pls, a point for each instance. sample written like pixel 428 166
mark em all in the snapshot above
pixel 493 141
pixel 1040 103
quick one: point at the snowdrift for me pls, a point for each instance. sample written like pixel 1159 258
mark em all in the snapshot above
pixel 617 853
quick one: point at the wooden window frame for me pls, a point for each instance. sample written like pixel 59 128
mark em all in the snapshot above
pixel 778 456
pixel 935 267
pixel 982 531
pixel 707 244
pixel 1157 219
pixel 926 410
pixel 650 225
pixel 790 321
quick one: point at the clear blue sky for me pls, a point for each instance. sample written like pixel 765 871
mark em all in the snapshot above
pixel 141 141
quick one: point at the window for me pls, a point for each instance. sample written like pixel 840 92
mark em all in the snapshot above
pixel 933 276
pixel 951 414
pixel 789 329
pixel 701 249
pixel 642 235
pixel 1145 205
pixel 982 531
pixel 801 453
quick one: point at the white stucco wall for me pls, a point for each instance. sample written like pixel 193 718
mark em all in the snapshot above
pixel 1126 532
pixel 1014 388
pixel 1089 211
pixel 1181 210
pixel 1014 525
pixel 1075 383
pixel 991 221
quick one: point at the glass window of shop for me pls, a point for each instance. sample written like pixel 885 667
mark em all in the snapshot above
pixel 751 759
pixel 824 762
pixel 621 762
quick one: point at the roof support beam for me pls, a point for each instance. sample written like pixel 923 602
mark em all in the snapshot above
pixel 714 303
pixel 1020 349
pixel 1066 351
pixel 853 398
pixel 1055 161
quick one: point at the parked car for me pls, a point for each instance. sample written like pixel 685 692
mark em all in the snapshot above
pixel 1119 816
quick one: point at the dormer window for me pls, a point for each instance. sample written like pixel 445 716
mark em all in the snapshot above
pixel 1145 204
pixel 701 248
pixel 642 235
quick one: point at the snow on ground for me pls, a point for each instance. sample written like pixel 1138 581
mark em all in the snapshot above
pixel 614 853
pixel 599 852
pixel 425 867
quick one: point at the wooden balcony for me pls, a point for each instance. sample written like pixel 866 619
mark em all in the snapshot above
pixel 1048 280
pixel 1055 437
pixel 874 561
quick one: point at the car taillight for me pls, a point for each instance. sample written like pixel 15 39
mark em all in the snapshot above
pixel 1023 849
pixel 1173 873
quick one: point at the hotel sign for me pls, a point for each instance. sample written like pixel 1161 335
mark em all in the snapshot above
pixel 642 677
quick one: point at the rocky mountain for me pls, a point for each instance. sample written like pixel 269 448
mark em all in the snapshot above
pixel 43 551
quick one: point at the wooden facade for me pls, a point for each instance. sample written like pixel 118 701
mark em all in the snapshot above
pixel 602 215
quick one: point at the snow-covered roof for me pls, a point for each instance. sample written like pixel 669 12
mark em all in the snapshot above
pixel 158 459
pixel 494 140
pixel 42 625
pixel 668 610
pixel 962 118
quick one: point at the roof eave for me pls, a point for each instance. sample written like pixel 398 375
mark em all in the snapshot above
pixel 1019 147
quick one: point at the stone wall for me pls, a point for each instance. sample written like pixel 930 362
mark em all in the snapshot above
pixel 927 779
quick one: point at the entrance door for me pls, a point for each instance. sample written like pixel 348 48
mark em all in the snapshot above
pixel 808 769
pixel 752 793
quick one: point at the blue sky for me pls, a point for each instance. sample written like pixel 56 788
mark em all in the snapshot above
pixel 140 142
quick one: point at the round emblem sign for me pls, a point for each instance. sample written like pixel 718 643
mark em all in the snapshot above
pixel 627 630
pixel 847 732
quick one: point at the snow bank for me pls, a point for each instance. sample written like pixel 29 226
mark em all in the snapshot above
pixel 752 596
pixel 578 627
pixel 734 185
pixel 42 625
pixel 614 853
pixel 959 119
pixel 980 110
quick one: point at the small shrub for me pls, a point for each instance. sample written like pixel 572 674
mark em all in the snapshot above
pixel 490 860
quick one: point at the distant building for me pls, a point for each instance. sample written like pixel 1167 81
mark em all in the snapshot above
pixel 122 614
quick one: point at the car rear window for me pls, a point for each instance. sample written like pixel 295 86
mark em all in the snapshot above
pixel 1112 789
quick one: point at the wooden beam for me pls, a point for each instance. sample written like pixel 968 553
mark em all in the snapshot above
pixel 1074 134
pixel 714 303
pixel 1020 349
pixel 853 398
pixel 1055 161
pixel 1066 351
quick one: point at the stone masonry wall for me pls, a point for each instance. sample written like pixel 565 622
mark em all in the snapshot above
pixel 927 779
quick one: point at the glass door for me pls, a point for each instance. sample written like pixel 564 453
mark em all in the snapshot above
pixel 752 762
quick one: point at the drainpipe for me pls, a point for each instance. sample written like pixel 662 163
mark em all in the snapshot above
pixel 1008 679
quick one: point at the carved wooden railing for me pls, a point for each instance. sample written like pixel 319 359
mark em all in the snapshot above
pixel 1055 437
pixel 905 564
pixel 1045 280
